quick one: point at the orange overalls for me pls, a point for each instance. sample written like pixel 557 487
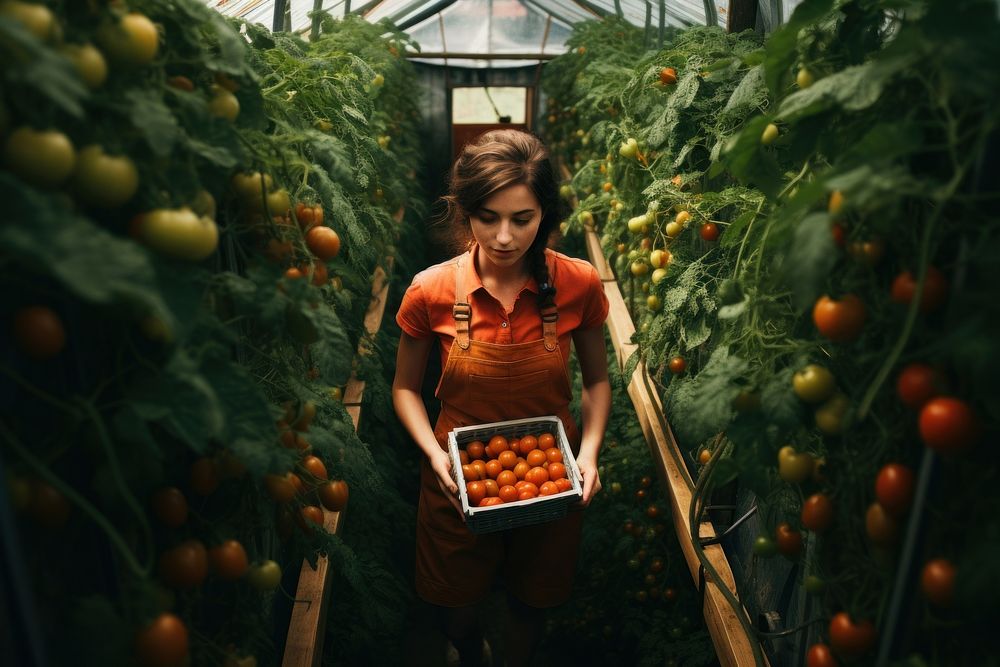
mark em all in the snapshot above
pixel 487 382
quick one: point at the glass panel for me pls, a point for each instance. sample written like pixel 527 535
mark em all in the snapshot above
pixel 472 105
pixel 386 8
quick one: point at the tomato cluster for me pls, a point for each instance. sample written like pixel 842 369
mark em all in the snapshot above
pixel 509 470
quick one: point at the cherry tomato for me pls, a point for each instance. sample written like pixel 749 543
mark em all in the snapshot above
pixel 820 655
pixel 830 416
pixel 850 639
pixel 35 17
pixel 310 517
pixel 132 40
pixel 334 495
pixel 794 467
pixel 937 581
pixel 948 424
pixel 162 643
pixel 223 104
pixel 43 158
pixel 894 488
pixel 184 566
pixel 228 560
pixel 814 383
pixel 867 252
pixel 677 365
pixel 668 76
pixel 103 180
pixel 170 506
pixel 89 63
pixel 788 540
pixel 817 512
pixel 709 231
pixel 178 233
pixel 882 529
pixel 265 576
pixel 904 287
pixel 280 487
pixel 840 321
pixel 323 242
pixel 39 332
pixel 181 82
pixel 769 135
pixel 917 384
pixel 764 546
pixel 204 476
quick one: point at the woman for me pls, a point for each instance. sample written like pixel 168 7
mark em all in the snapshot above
pixel 502 315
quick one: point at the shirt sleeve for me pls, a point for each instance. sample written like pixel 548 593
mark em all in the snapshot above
pixel 413 317
pixel 596 306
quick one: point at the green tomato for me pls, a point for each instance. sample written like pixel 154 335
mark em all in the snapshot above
pixel 769 135
pixel 830 415
pixel 266 576
pixel 89 62
pixel 378 80
pixel 814 383
pixel 42 158
pixel 36 18
pixel 673 230
pixel 814 585
pixel 658 275
pixel 103 180
pixel 764 546
pixel 804 78
pixel 179 233
pixel 248 186
pixel 794 467
pixel 278 202
pixel 629 148
pixel 638 224
pixel 132 40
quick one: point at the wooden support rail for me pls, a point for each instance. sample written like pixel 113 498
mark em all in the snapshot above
pixel 304 643
pixel 732 645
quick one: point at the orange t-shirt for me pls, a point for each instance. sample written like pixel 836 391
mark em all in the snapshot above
pixel 426 309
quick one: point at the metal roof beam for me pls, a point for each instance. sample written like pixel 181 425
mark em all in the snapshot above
pixel 482 56
pixel 422 16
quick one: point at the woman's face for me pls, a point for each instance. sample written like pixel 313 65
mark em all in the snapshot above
pixel 506 224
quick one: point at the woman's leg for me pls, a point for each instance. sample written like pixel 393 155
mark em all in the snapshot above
pixel 461 626
pixel 524 628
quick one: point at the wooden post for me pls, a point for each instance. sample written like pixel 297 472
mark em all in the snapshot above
pixel 742 15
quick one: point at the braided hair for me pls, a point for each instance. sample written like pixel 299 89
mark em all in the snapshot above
pixel 494 161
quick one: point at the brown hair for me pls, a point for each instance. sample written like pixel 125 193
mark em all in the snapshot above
pixel 494 161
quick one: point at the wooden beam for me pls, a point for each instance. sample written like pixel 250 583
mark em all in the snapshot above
pixel 732 645
pixel 307 627
pixel 742 15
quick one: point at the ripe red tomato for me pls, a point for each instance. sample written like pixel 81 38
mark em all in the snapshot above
pixel 937 581
pixel 904 287
pixel 850 639
pixel 840 321
pixel 229 560
pixel 39 332
pixel 788 540
pixel 709 231
pixel 882 529
pixel 476 450
pixel 820 655
pixel 917 384
pixel 894 488
pixel 668 76
pixel 184 566
pixel 476 492
pixel 323 242
pixel 310 517
pixel 948 424
pixel 334 495
pixel 817 512
pixel 314 466
pixel 280 487
pixel 170 506
pixel 162 643
pixel 677 365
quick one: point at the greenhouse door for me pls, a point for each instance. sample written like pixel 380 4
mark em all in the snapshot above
pixel 475 110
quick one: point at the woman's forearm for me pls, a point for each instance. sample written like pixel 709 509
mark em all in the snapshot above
pixel 595 403
pixel 413 414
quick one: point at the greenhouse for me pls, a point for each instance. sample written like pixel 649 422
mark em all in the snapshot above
pixel 545 333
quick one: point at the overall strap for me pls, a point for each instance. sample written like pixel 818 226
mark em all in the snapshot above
pixel 461 311
pixel 550 316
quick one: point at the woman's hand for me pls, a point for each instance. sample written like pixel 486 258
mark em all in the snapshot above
pixel 591 480
pixel 441 465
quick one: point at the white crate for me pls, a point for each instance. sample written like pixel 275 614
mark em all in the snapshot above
pixel 521 512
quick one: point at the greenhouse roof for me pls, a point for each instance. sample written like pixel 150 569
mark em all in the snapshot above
pixel 480 33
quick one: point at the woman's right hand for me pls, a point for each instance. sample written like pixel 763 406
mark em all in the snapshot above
pixel 441 465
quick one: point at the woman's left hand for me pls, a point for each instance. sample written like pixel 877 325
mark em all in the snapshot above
pixel 591 480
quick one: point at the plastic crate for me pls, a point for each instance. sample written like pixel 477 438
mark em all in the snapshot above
pixel 522 512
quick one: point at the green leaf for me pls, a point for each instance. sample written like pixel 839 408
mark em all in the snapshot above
pixel 183 401
pixel 101 634
pixel 153 119
pixel 695 333
pixel 42 233
pixel 333 352
pixel 705 400
pixel 810 258
pixel 749 161
pixel 779 402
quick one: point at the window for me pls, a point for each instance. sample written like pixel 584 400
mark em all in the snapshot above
pixel 473 105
